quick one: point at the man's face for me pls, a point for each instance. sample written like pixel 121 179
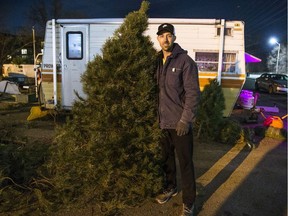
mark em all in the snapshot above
pixel 166 41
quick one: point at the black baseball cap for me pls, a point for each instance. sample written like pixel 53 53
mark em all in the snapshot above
pixel 166 27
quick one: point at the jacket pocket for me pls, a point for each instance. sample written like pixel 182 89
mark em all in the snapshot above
pixel 174 76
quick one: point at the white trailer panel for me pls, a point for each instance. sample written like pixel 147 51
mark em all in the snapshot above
pixel 217 46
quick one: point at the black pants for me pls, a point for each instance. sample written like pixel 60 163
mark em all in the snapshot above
pixel 184 149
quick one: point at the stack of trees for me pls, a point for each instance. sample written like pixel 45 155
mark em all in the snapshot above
pixel 108 152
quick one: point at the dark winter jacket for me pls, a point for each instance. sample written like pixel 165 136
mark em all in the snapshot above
pixel 178 88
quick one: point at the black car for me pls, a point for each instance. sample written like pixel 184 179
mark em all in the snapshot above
pixel 25 84
pixel 272 82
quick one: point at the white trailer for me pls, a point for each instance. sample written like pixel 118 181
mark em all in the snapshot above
pixel 217 46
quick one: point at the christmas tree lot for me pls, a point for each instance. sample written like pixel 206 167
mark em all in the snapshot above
pixel 106 157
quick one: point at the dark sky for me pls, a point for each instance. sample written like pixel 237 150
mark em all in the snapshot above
pixel 263 19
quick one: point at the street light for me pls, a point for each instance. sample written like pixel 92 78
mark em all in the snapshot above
pixel 274 41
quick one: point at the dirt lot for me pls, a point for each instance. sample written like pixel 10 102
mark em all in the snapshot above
pixel 13 115
pixel 231 180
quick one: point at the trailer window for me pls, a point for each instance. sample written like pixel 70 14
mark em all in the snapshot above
pixel 74 45
pixel 227 31
pixel 229 62
pixel 208 62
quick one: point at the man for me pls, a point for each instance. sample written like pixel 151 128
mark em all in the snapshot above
pixel 177 79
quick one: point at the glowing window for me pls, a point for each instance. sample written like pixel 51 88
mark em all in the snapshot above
pixel 208 62
pixel 74 45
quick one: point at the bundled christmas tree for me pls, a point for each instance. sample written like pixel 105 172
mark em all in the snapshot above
pixel 109 150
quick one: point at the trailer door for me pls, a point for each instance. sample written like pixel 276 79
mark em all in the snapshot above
pixel 74 61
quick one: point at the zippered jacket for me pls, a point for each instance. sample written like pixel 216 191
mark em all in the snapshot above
pixel 179 88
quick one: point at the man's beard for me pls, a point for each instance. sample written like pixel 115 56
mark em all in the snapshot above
pixel 168 47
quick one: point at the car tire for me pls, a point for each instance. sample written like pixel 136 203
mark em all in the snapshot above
pixel 271 90
pixel 256 86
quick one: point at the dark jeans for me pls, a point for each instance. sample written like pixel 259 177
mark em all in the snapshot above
pixel 184 149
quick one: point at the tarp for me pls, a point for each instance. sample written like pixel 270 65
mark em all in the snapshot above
pixel 251 59
pixel 9 87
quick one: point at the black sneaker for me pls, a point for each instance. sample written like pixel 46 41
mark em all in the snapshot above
pixel 166 195
pixel 188 210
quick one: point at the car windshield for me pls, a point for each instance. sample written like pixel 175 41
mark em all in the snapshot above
pixel 20 79
pixel 279 77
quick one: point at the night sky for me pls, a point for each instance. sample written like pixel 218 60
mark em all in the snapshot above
pixel 263 19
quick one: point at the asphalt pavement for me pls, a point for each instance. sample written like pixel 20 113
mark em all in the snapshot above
pixel 243 182
pixel 237 181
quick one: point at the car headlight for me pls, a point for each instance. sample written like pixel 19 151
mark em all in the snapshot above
pixel 283 86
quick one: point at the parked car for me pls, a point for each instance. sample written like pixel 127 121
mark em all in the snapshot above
pixel 25 84
pixel 271 82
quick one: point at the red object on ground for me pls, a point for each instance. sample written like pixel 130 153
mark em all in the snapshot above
pixel 273 121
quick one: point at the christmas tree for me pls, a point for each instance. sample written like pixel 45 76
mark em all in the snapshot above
pixel 109 149
pixel 210 111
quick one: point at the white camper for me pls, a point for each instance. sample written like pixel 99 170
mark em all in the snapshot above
pixel 217 46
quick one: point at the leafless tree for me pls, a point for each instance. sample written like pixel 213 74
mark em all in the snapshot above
pixel 40 12
pixel 282 61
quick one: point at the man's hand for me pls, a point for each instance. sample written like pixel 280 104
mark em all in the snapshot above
pixel 182 128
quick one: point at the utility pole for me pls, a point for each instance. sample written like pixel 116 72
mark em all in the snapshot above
pixel 33 36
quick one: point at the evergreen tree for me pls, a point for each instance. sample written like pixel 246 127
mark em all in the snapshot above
pixel 210 111
pixel 109 150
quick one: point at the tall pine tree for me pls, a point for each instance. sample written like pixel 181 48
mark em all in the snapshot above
pixel 109 150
